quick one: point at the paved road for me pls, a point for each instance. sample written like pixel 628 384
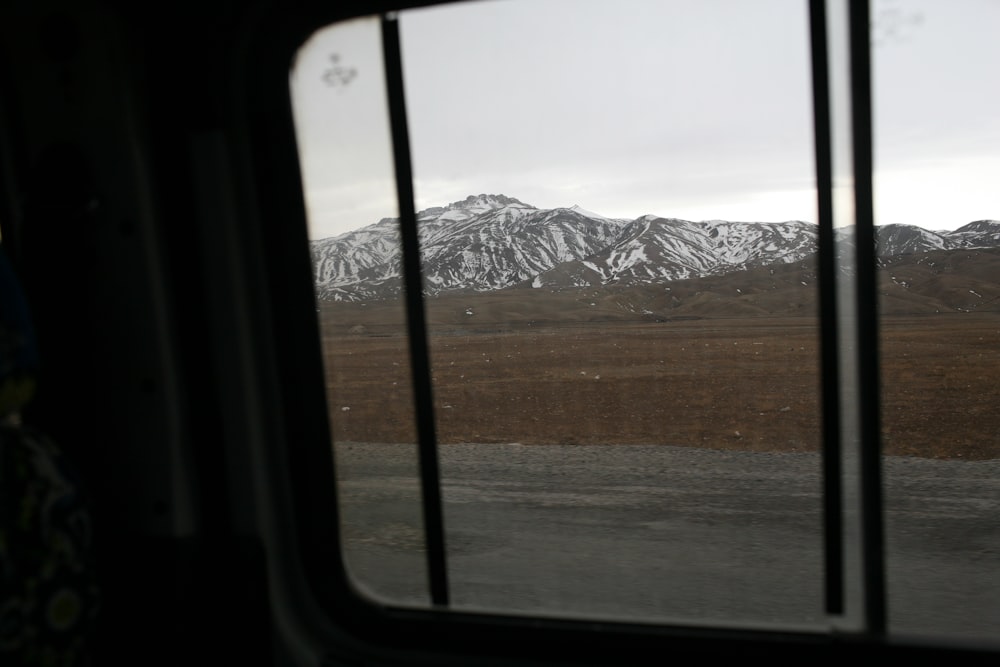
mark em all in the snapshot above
pixel 661 533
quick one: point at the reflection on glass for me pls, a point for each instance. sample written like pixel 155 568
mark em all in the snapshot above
pixel 937 164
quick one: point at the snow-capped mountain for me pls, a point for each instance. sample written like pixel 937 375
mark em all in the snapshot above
pixel 657 250
pixel 490 242
pixel 482 243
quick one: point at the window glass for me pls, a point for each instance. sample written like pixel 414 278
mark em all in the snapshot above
pixel 937 150
pixel 617 218
pixel 622 297
pixel 338 91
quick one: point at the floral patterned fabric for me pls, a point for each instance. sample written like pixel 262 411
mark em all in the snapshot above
pixel 48 591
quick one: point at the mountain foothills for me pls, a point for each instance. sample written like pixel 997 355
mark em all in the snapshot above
pixel 495 243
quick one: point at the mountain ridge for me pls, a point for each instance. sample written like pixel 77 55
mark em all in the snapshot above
pixel 491 242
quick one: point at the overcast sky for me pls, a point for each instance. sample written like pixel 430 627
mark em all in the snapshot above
pixel 696 109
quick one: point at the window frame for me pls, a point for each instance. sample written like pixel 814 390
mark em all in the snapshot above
pixel 349 624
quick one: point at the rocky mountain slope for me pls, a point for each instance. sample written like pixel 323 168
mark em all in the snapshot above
pixel 487 243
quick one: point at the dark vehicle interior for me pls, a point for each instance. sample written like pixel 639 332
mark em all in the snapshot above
pixel 151 205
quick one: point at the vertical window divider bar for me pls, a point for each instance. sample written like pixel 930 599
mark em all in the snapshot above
pixel 430 477
pixel 832 471
pixel 872 528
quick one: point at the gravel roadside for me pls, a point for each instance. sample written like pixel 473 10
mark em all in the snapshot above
pixel 667 533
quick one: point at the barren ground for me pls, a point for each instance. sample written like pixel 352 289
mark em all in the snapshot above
pixel 750 384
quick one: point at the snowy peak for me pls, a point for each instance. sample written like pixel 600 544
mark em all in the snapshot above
pixel 579 210
pixel 898 239
pixel 659 250
pixel 482 203
pixel 907 239
pixel 471 207
pixel 981 233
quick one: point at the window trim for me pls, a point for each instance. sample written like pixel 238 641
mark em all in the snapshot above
pixel 392 632
pixel 866 303
pixel 413 286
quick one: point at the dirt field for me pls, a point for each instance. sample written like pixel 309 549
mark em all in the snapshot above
pixel 749 384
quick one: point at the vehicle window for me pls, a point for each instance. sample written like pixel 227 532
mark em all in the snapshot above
pixel 936 148
pixel 618 243
pixel 624 379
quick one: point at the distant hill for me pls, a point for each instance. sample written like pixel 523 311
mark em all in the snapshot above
pixel 585 266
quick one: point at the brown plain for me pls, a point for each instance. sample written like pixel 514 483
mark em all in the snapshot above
pixel 750 383
pixel 724 362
